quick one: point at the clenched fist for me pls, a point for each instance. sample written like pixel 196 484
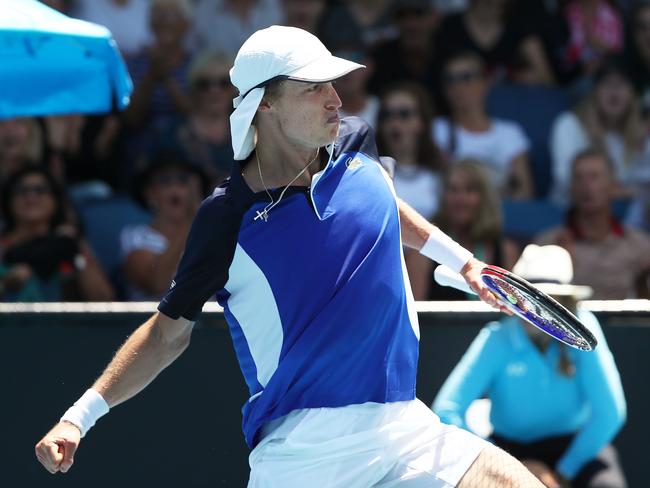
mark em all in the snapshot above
pixel 56 450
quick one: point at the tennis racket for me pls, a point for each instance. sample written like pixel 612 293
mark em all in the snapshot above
pixel 528 303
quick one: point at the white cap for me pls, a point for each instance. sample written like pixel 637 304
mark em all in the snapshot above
pixel 550 269
pixel 276 52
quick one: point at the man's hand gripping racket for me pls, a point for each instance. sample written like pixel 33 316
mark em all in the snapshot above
pixel 514 295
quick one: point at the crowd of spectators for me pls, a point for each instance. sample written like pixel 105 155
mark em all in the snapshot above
pixel 570 128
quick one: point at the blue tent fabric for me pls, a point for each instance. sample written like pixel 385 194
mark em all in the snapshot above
pixel 53 64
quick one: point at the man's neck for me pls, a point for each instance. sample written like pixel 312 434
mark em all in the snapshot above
pixel 280 165
pixel 594 226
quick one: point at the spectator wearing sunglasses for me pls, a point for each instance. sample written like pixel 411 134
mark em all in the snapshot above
pixel 469 132
pixel 43 257
pixel 172 188
pixel 403 134
pixel 203 137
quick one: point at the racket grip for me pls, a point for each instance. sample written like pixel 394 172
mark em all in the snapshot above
pixel 447 277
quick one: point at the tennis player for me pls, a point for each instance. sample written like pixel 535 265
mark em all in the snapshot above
pixel 302 248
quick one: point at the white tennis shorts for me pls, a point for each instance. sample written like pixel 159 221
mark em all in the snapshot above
pixel 401 444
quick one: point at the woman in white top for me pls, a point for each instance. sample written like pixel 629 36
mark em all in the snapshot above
pixel 609 119
pixel 469 132
pixel 402 133
pixel 172 189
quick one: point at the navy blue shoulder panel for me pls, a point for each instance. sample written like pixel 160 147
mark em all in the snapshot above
pixel 356 135
pixel 209 251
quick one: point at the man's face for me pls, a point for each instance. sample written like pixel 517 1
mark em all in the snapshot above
pixel 591 184
pixel 465 85
pixel 307 113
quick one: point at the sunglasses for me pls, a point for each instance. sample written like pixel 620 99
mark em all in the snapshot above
pixel 170 178
pixel 40 190
pixel 204 84
pixel 397 113
pixel 461 77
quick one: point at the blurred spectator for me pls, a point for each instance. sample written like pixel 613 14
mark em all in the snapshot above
pixel 608 118
pixel 471 213
pixel 172 188
pixel 160 70
pixel 612 259
pixel 638 51
pixel 43 256
pixel 128 21
pixel 62 6
pixel 553 407
pixel 204 135
pixel 21 143
pixel 447 7
pixel 510 48
pixel 224 25
pixel 80 151
pixel 596 32
pixel 403 134
pixel 412 55
pixel 304 14
pixel 469 132
pixel 371 19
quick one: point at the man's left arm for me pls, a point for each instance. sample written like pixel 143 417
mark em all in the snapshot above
pixel 420 234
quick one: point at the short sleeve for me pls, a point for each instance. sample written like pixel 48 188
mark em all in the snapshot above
pixel 141 238
pixel 209 251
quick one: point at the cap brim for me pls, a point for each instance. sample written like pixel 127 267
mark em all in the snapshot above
pixel 554 289
pixel 324 69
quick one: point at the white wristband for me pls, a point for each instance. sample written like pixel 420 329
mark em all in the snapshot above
pixel 86 411
pixel 444 250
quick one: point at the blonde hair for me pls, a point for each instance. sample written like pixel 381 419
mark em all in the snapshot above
pixel 631 130
pixel 487 226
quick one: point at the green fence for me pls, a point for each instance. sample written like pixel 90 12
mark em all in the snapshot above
pixel 184 429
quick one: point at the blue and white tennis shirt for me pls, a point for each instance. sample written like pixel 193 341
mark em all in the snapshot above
pixel 317 298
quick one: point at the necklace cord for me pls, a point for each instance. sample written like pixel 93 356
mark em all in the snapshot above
pixel 264 214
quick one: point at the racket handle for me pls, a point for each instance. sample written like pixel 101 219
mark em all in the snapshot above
pixel 446 277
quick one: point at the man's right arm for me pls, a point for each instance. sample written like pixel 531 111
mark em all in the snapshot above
pixel 149 350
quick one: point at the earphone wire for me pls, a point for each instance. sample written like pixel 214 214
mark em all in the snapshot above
pixel 264 214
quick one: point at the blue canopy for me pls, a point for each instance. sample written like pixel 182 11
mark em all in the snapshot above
pixel 53 64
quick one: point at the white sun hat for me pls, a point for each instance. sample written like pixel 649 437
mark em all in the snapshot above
pixel 274 53
pixel 550 269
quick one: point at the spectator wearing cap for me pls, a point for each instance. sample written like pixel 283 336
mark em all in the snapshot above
pixel 608 118
pixel 469 131
pixel 172 188
pixel 204 135
pixel 160 70
pixel 554 408
pixel 612 259
pixel 412 56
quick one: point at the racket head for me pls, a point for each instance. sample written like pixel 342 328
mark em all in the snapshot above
pixel 537 308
